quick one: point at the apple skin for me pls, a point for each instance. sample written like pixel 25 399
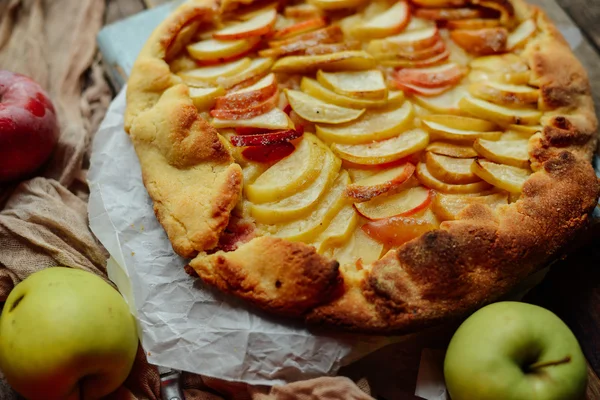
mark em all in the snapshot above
pixel 29 128
pixel 489 354
pixel 65 333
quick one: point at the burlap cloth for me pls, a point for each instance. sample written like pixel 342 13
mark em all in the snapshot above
pixel 43 221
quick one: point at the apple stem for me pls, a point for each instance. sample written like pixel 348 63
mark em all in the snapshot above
pixel 545 364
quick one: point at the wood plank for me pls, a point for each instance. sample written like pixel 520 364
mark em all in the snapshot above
pixel 119 9
pixel 586 13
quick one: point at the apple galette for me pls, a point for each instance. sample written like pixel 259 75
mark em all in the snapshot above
pixel 378 166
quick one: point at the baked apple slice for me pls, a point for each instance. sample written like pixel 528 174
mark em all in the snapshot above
pixel 308 228
pixel 408 63
pixel 300 27
pixel 499 114
pixel 409 41
pixel 314 110
pixel 358 251
pixel 452 150
pixel 207 76
pixel 445 132
pixel 507 68
pixel 448 14
pixel 441 3
pixel 329 34
pixel 249 96
pixel 330 48
pixel 258 25
pixel 505 94
pixel 336 4
pixel 385 151
pixel 380 183
pixel 434 77
pixel 483 41
pixel 463 123
pixel 446 103
pixel 509 152
pixel 304 201
pixel 315 89
pixel 273 120
pixel 476 23
pixel 340 230
pixel 289 175
pixel 213 49
pixel 428 53
pixel 257 68
pixel 302 11
pixel 428 180
pixel 368 84
pixel 265 139
pixel 249 112
pixel 395 231
pixel 205 98
pixel 451 170
pixel 352 60
pixel 502 176
pixel 267 154
pixel 387 23
pixel 448 207
pixel 373 125
pixel 519 36
pixel 525 130
pixel 405 203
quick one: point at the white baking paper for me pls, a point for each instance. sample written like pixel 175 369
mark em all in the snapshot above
pixel 184 324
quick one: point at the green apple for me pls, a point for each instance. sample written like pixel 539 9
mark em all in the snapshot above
pixel 65 333
pixel 514 351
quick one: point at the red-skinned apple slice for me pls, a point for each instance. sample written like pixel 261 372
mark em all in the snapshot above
pixel 435 77
pixel 448 14
pixel 330 34
pixel 403 204
pixel 247 113
pixel 268 154
pixel 250 96
pixel 417 55
pixel 407 41
pixel 424 91
pixel 481 41
pixel 440 58
pixel 259 25
pixel 441 3
pixel 300 27
pixel 395 231
pixel 387 23
pixel 265 139
pixel 380 183
pixel 330 48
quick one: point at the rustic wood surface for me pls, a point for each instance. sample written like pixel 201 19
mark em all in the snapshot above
pixel 572 288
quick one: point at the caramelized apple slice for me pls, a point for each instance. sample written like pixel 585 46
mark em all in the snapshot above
pixel 330 34
pixel 249 96
pixel 505 94
pixel 435 77
pixel 446 103
pixel 405 203
pixel 204 98
pixel 258 67
pixel 304 201
pixel 407 63
pixel 359 250
pixel 289 175
pixel 206 76
pixel 315 110
pixel 519 36
pixel 213 49
pixel 441 3
pixel 452 150
pixel 336 4
pixel 450 169
pixel 463 123
pixel 387 23
pixel 249 112
pixel 409 41
pixel 476 23
pixel 267 154
pixel 386 151
pixel 481 41
pixel 499 114
pixel 427 53
pixel 395 231
pixel 504 177
pixel 359 84
pixel 302 11
pixel 340 230
pixel 344 60
pixel 308 228
pixel 315 89
pixel 274 119
pixel 265 139
pixel 300 27
pixel 427 179
pixel 380 183
pixel 510 152
pixel 373 125
pixel 448 14
pixel 447 207
pixel 259 25
pixel 445 132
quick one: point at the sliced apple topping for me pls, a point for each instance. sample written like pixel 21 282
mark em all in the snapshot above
pixel 380 183
pixel 448 14
pixel 359 250
pixel 519 36
pixel 274 119
pixel 450 169
pixel 368 84
pixel 289 175
pixel 434 77
pixel 207 76
pixel 352 60
pixel 330 34
pixel 427 179
pixel 506 68
pixel 505 94
pixel 510 152
pixel 499 114
pixel 441 3
pixel 336 4
pixel 248 112
pixel 250 96
pixel 452 150
pixel 475 23
pixel 302 11
pixel 315 110
pixel 373 125
pixel 481 41
pixel 260 24
pixel 300 27
pixel 415 56
pixel 405 203
pixel 385 151
pixel 204 98
pixel 445 132
pixel 340 230
pixel 213 49
pixel 397 230
pixel 265 139
pixel 463 123
pixel 446 103
pixel 268 154
pixel 387 23
pixel 407 63
pixel 302 202
pixel 315 89
pixel 504 177
pixel 257 68
pixel 448 207
pixel 408 41
pixel 526 130
pixel 308 228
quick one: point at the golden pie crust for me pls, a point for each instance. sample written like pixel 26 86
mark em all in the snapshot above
pixel 446 273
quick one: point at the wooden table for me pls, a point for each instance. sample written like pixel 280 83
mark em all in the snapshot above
pixel 572 288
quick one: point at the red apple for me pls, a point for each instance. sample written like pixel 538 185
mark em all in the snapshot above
pixel 28 126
